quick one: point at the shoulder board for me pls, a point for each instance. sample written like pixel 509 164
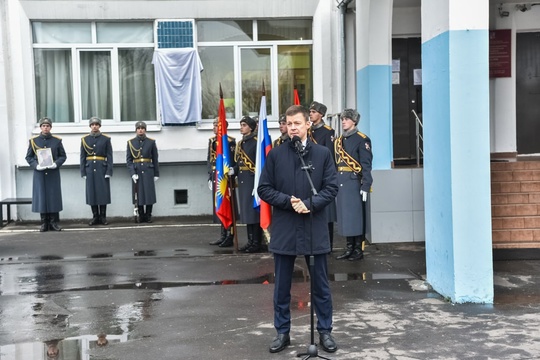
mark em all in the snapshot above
pixel 150 139
pixel 211 138
pixel 133 138
pixel 255 137
pixel 327 127
pixel 362 135
pixel 231 137
pixel 35 136
pixel 105 135
pixel 57 137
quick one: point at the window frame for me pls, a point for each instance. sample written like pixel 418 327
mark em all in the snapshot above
pixel 274 71
pixel 76 49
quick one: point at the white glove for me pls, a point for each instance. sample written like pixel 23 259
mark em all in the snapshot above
pixel 210 185
pixel 40 168
pixel 156 178
pixel 53 166
pixel 135 177
pixel 364 195
pixel 84 177
pixel 106 177
pixel 231 171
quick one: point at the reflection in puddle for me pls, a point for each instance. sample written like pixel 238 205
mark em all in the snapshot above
pixel 86 347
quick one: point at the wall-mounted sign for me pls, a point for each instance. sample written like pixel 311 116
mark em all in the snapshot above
pixel 500 53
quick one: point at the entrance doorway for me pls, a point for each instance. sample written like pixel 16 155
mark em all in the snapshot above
pixel 528 92
pixel 406 96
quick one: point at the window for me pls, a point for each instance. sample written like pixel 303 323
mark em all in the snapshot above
pixel 101 69
pixel 241 55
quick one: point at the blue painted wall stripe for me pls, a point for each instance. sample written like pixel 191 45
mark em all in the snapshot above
pixel 456 165
pixel 374 89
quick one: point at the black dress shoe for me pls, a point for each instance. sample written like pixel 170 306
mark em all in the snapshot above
pixel 280 342
pixel 327 342
pixel 356 255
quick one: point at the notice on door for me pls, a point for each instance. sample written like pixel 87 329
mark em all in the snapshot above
pixel 500 47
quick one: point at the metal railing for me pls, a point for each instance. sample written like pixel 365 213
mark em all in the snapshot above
pixel 419 138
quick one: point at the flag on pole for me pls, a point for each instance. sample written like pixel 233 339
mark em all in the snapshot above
pixel 264 145
pixel 223 197
pixel 296 97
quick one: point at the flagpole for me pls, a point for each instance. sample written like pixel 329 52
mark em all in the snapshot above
pixel 233 207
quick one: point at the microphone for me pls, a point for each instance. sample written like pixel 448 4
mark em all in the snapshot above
pixel 297 144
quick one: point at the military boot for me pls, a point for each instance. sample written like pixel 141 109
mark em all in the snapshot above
pixel 358 253
pixel 257 238
pixel 53 221
pixel 148 213
pixel 44 222
pixel 249 229
pixel 221 238
pixel 348 249
pixel 95 216
pixel 141 217
pixel 103 214
pixel 229 239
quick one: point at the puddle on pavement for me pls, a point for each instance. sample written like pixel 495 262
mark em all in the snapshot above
pixel 87 347
pixel 299 276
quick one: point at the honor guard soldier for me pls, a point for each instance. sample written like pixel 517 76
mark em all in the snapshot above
pixel 353 158
pixel 143 166
pixel 283 130
pixel 96 168
pixel 322 134
pixel 246 152
pixel 46 155
pixel 227 237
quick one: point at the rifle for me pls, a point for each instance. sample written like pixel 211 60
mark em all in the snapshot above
pixel 136 201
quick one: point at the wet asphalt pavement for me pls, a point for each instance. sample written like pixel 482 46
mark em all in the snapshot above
pixel 159 291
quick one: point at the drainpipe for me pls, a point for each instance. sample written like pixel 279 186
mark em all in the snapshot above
pixel 342 6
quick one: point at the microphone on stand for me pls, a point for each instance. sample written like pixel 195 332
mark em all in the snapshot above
pixel 299 148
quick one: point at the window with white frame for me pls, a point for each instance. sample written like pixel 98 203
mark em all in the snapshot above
pixel 103 69
pixel 242 54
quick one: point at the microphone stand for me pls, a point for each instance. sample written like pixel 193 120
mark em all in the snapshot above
pixel 312 350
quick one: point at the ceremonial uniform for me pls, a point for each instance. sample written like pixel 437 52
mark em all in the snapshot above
pixel 353 157
pixel 211 165
pixel 280 140
pixel 142 160
pixel 323 134
pixel 46 186
pixel 245 155
pixel 96 165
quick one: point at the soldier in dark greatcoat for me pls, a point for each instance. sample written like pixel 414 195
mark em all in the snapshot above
pixel 227 237
pixel 96 168
pixel 46 188
pixel 322 134
pixel 283 130
pixel 143 166
pixel 285 186
pixel 246 153
pixel 353 158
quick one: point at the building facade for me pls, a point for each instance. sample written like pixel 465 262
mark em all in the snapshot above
pixel 71 60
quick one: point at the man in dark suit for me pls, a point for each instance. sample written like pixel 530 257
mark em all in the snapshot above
pixel 285 186
pixel 96 163
pixel 46 186
pixel 143 166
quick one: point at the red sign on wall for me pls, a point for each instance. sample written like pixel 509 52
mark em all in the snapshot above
pixel 500 53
